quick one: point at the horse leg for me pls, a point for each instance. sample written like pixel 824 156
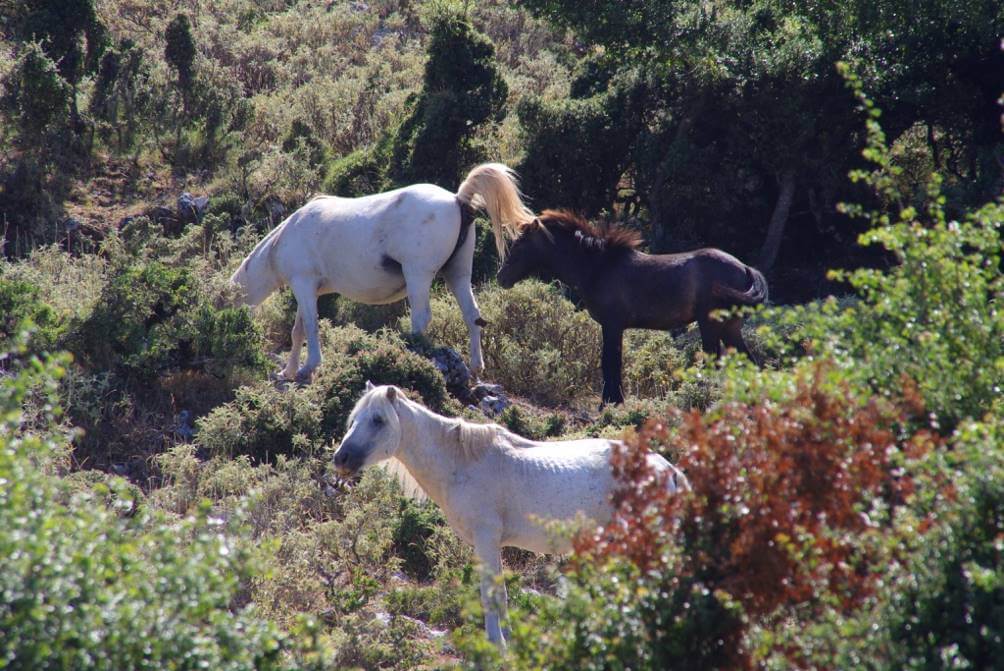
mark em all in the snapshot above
pixel 458 279
pixel 418 285
pixel 306 309
pixel 613 336
pixel 710 335
pixel 493 599
pixel 732 334
pixel 294 353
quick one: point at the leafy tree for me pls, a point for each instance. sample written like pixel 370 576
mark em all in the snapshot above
pixel 69 32
pixel 36 98
pixel 747 123
pixel 179 51
pixel 462 89
pixel 121 96
pixel 611 119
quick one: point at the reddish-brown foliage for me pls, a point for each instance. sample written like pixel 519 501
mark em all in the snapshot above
pixel 780 498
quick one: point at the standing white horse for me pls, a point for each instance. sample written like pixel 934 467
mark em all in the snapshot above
pixel 494 487
pixel 378 249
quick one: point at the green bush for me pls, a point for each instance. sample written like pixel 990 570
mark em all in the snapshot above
pixel 462 89
pixel 264 422
pixel 89 585
pixel 577 149
pixel 21 308
pixel 415 526
pixel 362 172
pixel 152 317
pixel 536 343
pixel 937 610
pixel 36 98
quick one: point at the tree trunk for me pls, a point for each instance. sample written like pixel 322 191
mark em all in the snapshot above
pixel 775 231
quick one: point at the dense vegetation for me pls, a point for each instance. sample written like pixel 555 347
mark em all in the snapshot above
pixel 165 504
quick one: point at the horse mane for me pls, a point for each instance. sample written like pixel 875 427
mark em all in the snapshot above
pixel 606 238
pixel 470 440
pixel 467 440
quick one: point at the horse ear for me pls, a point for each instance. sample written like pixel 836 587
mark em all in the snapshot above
pixel 392 394
pixel 369 386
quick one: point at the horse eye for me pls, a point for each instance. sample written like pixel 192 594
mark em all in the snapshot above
pixel 378 421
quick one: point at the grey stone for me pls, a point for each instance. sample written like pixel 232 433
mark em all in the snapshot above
pixel 483 389
pixel 451 365
pixel 494 405
pixel 191 208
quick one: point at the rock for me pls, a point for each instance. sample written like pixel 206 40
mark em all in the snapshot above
pixel 183 426
pixel 191 208
pixel 494 405
pixel 165 218
pixel 452 366
pixel 483 389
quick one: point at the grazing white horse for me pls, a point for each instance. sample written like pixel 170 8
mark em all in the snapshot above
pixel 378 249
pixel 494 487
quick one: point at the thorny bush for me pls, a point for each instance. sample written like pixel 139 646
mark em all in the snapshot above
pixel 783 494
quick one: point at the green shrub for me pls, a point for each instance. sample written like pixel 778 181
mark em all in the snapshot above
pixel 462 89
pixel 651 363
pixel 264 422
pixel 536 427
pixel 344 312
pixel 36 98
pixel 940 607
pixel 152 317
pixel 360 173
pixel 20 308
pixel 577 149
pixel 86 587
pixel 536 343
pixel 415 526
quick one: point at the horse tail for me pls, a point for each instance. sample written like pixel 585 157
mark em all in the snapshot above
pixel 494 188
pixel 756 294
pixel 256 278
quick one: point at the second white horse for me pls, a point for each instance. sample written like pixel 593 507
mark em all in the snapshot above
pixel 380 248
pixel 495 488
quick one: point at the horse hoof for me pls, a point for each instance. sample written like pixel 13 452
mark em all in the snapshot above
pixel 304 376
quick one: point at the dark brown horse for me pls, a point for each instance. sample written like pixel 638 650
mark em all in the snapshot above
pixel 624 288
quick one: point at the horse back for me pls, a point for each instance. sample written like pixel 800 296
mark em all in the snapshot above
pixel 351 240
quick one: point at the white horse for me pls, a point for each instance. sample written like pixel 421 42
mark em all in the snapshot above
pixel 494 487
pixel 378 249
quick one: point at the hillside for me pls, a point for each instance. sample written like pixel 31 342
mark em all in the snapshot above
pixel 168 500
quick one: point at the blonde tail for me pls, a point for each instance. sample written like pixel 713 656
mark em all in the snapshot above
pixel 494 188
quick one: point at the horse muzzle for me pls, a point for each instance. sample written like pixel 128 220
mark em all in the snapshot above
pixel 348 461
pixel 504 280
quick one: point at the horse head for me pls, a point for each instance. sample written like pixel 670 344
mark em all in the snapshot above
pixel 528 254
pixel 374 432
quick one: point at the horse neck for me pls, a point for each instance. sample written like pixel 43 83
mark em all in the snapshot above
pixel 423 451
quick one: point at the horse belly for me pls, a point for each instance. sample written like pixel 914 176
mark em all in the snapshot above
pixel 374 293
pixel 564 496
